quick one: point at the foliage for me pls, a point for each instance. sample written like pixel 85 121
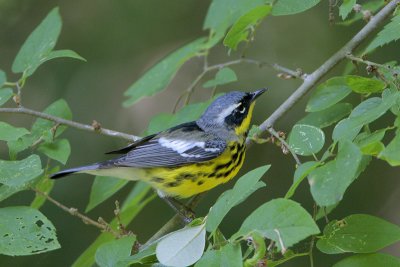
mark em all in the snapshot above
pixel 390 33
pixel 337 160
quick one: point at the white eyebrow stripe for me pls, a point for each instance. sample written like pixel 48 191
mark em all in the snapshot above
pixel 221 117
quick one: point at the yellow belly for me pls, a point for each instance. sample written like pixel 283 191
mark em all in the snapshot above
pixel 186 181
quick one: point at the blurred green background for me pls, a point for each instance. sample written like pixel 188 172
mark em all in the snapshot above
pixel 121 40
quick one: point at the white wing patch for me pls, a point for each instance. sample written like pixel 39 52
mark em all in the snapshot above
pixel 181 146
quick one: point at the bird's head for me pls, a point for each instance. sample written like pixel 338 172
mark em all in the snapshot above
pixel 232 111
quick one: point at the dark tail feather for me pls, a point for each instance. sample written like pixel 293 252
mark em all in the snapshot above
pixel 63 173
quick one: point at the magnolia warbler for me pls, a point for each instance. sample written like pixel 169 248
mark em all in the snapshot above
pixel 190 158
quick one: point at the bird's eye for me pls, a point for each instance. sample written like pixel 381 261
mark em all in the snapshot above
pixel 242 109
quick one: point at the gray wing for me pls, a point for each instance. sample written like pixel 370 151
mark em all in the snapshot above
pixel 174 148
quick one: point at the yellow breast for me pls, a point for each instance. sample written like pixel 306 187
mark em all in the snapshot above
pixel 189 180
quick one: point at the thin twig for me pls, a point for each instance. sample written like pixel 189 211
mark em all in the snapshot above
pixel 312 79
pixel 331 16
pixel 295 74
pixel 178 101
pixel 19 95
pixel 370 63
pixel 275 66
pixel 193 86
pixel 310 251
pixel 101 224
pixel 70 123
pixel 274 133
pixel 121 226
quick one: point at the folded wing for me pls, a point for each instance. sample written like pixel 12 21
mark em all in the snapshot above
pixel 179 146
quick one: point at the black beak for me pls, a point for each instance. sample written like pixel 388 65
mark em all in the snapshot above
pixel 257 93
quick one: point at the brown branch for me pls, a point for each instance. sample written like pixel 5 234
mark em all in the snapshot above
pixel 101 223
pixel 77 125
pixel 370 63
pixel 283 142
pixel 206 69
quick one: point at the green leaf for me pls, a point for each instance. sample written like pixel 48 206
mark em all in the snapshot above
pixel 254 129
pixel 391 152
pixel 183 247
pixel 390 71
pixel 306 140
pixel 289 7
pixel 346 7
pixel 359 233
pixel 7 191
pixel 109 254
pixel 102 189
pixel 281 220
pixel 45 185
pixel 38 45
pixel 20 173
pixel 366 112
pixel 370 144
pixel 373 149
pixel 66 53
pixel 329 182
pixel 324 211
pixel 365 139
pixel 11 133
pixel 132 205
pixel 371 5
pixel 159 76
pixel 25 231
pixel 3 78
pixel 242 28
pixel 42 127
pixel 395 109
pixel 5 95
pixel 229 255
pixel 337 88
pixel 363 85
pixel 243 188
pixel 301 172
pixel 390 33
pixel 369 260
pixel 327 94
pixel 58 150
pixel 223 76
pixel 327 117
pixel 145 255
pixel 223 13
pixel 19 145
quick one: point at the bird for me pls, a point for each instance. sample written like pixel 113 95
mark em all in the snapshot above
pixel 187 159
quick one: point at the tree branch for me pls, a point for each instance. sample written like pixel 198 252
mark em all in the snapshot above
pixel 77 125
pixel 291 73
pixel 370 63
pixel 101 224
pixel 283 142
pixel 311 80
